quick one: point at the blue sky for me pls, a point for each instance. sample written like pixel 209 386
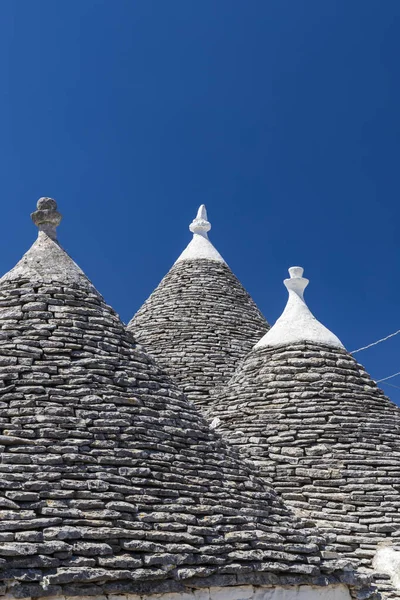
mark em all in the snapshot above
pixel 281 116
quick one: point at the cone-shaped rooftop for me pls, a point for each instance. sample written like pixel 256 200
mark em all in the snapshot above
pixel 320 430
pixel 200 321
pixel 110 481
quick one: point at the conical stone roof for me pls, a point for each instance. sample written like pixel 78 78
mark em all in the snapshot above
pixel 321 432
pixel 110 481
pixel 200 321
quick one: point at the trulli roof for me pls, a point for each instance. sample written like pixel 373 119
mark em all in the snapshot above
pixel 200 321
pixel 110 481
pixel 321 432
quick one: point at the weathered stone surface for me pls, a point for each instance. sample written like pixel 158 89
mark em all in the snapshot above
pixel 325 436
pixel 124 485
pixel 199 324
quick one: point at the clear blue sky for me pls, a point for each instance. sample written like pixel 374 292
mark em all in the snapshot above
pixel 281 116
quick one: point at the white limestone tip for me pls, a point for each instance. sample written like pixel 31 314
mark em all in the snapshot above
pixel 200 246
pixel 297 323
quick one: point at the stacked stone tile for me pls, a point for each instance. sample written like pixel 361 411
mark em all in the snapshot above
pixel 200 321
pixel 321 432
pixel 110 481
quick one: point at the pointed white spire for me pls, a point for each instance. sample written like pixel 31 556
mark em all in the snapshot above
pixel 200 224
pixel 200 247
pixel 297 323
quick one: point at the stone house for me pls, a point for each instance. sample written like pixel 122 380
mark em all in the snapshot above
pixel 112 484
pixel 300 407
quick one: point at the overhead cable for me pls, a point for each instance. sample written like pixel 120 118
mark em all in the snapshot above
pixel 377 342
pixel 385 378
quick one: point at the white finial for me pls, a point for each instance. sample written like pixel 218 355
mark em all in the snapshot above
pixel 297 283
pixel 297 323
pixel 202 212
pixel 200 224
pixel 200 247
pixel 296 272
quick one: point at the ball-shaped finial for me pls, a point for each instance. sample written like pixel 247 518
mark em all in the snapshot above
pixel 46 204
pixel 46 217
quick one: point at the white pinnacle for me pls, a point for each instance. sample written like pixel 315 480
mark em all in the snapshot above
pixel 200 224
pixel 297 323
pixel 200 247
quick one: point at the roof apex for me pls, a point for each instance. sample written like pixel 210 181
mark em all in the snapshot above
pixel 46 261
pixel 200 246
pixel 297 323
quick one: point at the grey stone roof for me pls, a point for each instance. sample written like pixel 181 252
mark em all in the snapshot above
pixel 110 481
pixel 199 324
pixel 326 437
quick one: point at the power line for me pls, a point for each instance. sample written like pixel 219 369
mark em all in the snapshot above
pixel 391 385
pixel 385 378
pixel 376 343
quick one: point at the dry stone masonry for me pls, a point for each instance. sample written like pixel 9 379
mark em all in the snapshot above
pixel 111 483
pixel 200 322
pixel 323 434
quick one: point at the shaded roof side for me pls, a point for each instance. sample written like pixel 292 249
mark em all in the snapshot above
pixel 325 436
pixel 110 481
pixel 199 323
